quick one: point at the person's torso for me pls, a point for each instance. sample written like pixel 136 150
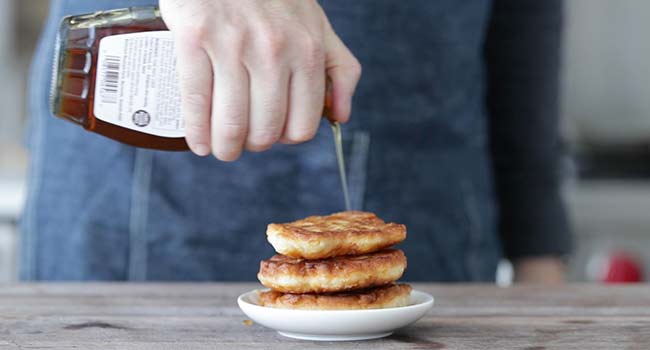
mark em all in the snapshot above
pixel 416 150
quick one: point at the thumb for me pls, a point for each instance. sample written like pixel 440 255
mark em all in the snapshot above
pixel 343 72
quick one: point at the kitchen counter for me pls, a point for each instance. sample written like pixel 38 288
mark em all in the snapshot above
pixel 206 316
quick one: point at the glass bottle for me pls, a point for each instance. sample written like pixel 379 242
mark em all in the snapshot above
pixel 114 74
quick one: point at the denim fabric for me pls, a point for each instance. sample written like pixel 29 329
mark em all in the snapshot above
pixel 416 148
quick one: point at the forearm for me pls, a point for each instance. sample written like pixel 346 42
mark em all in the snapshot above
pixel 522 53
pixel 548 270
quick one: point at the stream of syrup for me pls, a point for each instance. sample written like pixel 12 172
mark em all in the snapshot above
pixel 338 144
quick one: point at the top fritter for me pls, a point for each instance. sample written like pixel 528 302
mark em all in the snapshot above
pixel 344 233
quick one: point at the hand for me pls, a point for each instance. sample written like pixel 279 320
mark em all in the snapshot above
pixel 252 73
pixel 539 270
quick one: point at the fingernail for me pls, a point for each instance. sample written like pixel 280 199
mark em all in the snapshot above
pixel 201 149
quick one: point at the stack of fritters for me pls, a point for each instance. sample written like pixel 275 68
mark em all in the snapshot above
pixel 340 261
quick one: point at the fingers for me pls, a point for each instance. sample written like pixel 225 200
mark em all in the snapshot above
pixel 230 109
pixel 195 81
pixel 268 108
pixel 344 72
pixel 307 93
pixel 253 73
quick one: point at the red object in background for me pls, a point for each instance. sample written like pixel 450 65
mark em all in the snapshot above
pixel 622 267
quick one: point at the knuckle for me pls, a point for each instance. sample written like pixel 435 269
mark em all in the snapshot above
pixel 232 40
pixel 197 31
pixel 231 132
pixel 195 102
pixel 272 44
pixel 312 65
pixel 196 132
pixel 195 117
pixel 312 72
pixel 356 69
pixel 314 52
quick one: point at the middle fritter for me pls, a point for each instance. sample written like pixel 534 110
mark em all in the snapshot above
pixel 341 273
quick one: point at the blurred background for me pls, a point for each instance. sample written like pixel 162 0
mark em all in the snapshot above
pixel 20 25
pixel 606 126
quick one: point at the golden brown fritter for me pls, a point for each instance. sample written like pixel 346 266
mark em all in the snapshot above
pixel 391 295
pixel 344 233
pixel 341 273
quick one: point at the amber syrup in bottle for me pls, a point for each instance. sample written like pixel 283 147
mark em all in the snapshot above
pixel 114 74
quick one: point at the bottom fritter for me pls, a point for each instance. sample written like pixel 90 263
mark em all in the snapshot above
pixel 391 295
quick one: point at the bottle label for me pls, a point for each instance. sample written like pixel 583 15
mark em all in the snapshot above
pixel 136 84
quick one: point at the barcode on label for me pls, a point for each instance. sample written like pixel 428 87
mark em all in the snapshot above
pixel 111 79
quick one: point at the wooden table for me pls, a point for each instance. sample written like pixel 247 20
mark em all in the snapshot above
pixel 205 316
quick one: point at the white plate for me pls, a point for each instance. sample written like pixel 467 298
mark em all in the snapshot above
pixel 332 325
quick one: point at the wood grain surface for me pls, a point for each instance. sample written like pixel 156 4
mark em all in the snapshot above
pixel 205 316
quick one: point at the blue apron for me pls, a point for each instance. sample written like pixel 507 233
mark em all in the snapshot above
pixel 416 147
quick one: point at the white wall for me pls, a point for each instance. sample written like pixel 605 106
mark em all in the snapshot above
pixel 12 157
pixel 11 82
pixel 607 70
